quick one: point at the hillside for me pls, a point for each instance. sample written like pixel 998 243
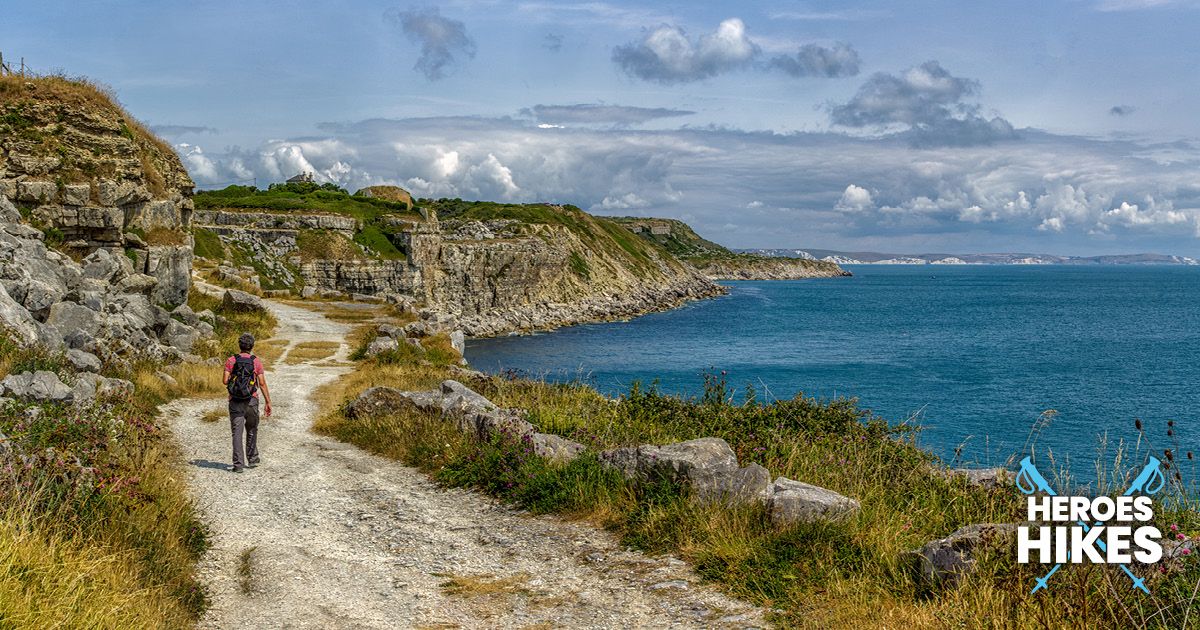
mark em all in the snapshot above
pixel 719 263
pixel 495 267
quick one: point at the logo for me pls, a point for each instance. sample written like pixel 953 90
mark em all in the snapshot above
pixel 1099 530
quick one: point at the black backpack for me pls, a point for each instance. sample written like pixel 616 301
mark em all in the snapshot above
pixel 242 382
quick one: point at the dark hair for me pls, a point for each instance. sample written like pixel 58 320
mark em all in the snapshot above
pixel 246 342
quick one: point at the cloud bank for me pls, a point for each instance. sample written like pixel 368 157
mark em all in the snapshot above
pixel 592 113
pixel 818 61
pixel 766 189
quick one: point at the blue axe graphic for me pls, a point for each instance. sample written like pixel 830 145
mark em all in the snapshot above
pixel 1148 482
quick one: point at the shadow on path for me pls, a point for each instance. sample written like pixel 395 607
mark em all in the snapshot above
pixel 204 463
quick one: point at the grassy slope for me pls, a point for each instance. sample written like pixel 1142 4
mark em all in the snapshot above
pixel 156 156
pixel 686 244
pixel 117 548
pixel 851 574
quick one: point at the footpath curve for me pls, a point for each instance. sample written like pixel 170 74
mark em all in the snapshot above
pixel 335 537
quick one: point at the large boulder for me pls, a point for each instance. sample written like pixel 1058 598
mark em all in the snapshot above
pixel 794 502
pixel 460 398
pixel 83 361
pixel 180 336
pixel 17 321
pixel 171 266
pixel 555 448
pixel 378 401
pixel 67 317
pixel 379 345
pixel 458 341
pixel 8 212
pixel 137 283
pixel 947 560
pixel 701 464
pixel 240 301
pixel 40 386
pixel 89 386
pixel 106 266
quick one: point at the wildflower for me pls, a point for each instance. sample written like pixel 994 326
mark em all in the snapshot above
pixel 1180 537
pixel 1185 551
pixel 1174 527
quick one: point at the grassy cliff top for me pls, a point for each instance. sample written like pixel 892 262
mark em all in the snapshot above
pixel 77 131
pixel 675 236
pixel 307 197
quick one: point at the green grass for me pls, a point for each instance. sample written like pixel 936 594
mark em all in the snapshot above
pixel 305 197
pixel 376 240
pixel 208 244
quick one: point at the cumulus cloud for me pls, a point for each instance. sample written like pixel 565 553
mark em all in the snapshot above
pixel 818 61
pixel 1121 110
pixel 928 102
pixel 443 41
pixel 1042 192
pixel 855 199
pixel 667 55
pixel 599 113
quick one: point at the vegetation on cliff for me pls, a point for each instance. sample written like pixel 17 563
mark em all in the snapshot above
pixel 73 130
pixel 717 261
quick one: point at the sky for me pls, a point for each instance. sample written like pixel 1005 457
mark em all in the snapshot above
pixel 1056 126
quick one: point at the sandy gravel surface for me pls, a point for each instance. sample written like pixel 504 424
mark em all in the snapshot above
pixel 334 537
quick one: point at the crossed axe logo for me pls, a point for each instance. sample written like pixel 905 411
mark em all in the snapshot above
pixel 1148 482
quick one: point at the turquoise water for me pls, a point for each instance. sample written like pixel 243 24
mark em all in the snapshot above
pixel 977 353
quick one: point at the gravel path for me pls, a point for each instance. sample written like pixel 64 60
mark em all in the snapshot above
pixel 334 537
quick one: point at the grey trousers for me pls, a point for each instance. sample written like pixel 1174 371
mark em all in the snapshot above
pixel 243 416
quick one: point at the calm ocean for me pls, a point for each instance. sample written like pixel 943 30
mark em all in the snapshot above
pixel 977 352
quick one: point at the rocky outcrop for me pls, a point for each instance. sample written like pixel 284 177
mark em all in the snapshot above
pixel 707 467
pixel 277 221
pixel 82 166
pixel 100 306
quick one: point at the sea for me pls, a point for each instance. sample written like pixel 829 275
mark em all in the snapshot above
pixel 978 356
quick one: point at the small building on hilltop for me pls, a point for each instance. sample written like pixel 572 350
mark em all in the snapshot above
pixel 303 178
pixel 388 193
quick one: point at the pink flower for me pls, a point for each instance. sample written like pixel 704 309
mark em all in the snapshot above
pixel 1174 527
pixel 1185 551
pixel 1180 537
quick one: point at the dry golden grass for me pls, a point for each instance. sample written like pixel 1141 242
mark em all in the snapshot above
pixel 307 351
pixel 165 236
pixel 214 415
pixel 270 350
pixel 485 585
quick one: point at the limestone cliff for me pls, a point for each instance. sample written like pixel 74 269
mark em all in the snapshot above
pixel 496 268
pixel 82 170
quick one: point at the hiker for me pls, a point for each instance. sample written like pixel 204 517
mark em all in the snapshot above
pixel 243 378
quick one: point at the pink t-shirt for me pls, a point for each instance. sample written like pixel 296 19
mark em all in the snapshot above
pixel 258 367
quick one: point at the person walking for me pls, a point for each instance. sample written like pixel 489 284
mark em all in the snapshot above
pixel 244 378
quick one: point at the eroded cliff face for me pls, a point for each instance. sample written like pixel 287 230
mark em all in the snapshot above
pixel 494 276
pixel 503 275
pixel 90 177
pixel 749 267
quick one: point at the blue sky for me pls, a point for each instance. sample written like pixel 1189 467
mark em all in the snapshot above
pixel 1055 126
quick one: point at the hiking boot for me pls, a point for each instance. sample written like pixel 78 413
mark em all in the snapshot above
pixel 254 461
pixel 237 469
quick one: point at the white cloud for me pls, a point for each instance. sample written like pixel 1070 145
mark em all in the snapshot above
pixel 667 55
pixel 1051 224
pixel 855 199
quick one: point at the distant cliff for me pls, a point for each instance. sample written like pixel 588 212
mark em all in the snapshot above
pixel 719 263
pixel 495 267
